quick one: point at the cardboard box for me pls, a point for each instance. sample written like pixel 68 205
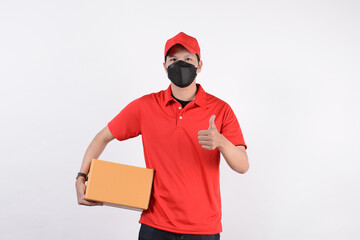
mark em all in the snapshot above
pixel 119 185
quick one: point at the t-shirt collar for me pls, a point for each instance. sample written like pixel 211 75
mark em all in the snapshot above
pixel 200 97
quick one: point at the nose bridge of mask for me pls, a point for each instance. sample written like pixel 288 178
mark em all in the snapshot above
pixel 182 64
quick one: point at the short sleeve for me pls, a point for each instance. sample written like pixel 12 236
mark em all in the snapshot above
pixel 231 128
pixel 127 124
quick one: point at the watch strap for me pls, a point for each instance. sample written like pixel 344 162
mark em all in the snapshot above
pixel 80 174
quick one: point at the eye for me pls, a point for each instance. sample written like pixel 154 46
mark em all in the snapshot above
pixel 188 59
pixel 172 59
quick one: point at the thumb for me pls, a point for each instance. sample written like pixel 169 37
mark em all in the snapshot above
pixel 212 122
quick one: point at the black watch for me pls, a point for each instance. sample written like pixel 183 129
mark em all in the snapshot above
pixel 80 174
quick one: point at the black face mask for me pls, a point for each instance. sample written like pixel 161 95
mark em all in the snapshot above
pixel 181 73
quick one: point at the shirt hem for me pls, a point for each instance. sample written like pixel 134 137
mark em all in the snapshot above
pixel 241 145
pixel 173 230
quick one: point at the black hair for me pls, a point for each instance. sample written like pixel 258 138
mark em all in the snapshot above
pixel 197 56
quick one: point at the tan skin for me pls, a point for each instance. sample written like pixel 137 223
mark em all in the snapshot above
pixel 210 138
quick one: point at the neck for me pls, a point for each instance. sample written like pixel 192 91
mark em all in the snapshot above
pixel 185 94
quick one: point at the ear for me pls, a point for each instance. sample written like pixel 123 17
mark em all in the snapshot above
pixel 199 66
pixel 165 68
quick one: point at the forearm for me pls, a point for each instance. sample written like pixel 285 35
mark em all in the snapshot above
pixel 94 150
pixel 235 157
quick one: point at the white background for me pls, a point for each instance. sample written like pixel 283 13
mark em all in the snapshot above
pixel 289 70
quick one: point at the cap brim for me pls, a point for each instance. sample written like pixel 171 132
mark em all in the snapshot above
pixel 190 49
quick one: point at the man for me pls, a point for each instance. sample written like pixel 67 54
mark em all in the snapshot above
pixel 184 130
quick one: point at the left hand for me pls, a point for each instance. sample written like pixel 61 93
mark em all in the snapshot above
pixel 211 138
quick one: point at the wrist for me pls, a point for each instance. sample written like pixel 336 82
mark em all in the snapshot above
pixel 80 180
pixel 222 142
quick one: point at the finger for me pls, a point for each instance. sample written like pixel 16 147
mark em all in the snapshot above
pixel 203 132
pixel 96 203
pixel 89 203
pixel 85 203
pixel 208 143
pixel 207 147
pixel 206 138
pixel 212 122
pixel 93 201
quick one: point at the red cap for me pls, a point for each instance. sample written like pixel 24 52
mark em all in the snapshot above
pixel 190 43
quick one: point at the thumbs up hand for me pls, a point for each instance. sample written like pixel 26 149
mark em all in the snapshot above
pixel 211 138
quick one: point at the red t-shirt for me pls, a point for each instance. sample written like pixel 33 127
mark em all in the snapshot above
pixel 186 191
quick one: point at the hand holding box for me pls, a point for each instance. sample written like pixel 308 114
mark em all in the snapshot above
pixel 119 185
